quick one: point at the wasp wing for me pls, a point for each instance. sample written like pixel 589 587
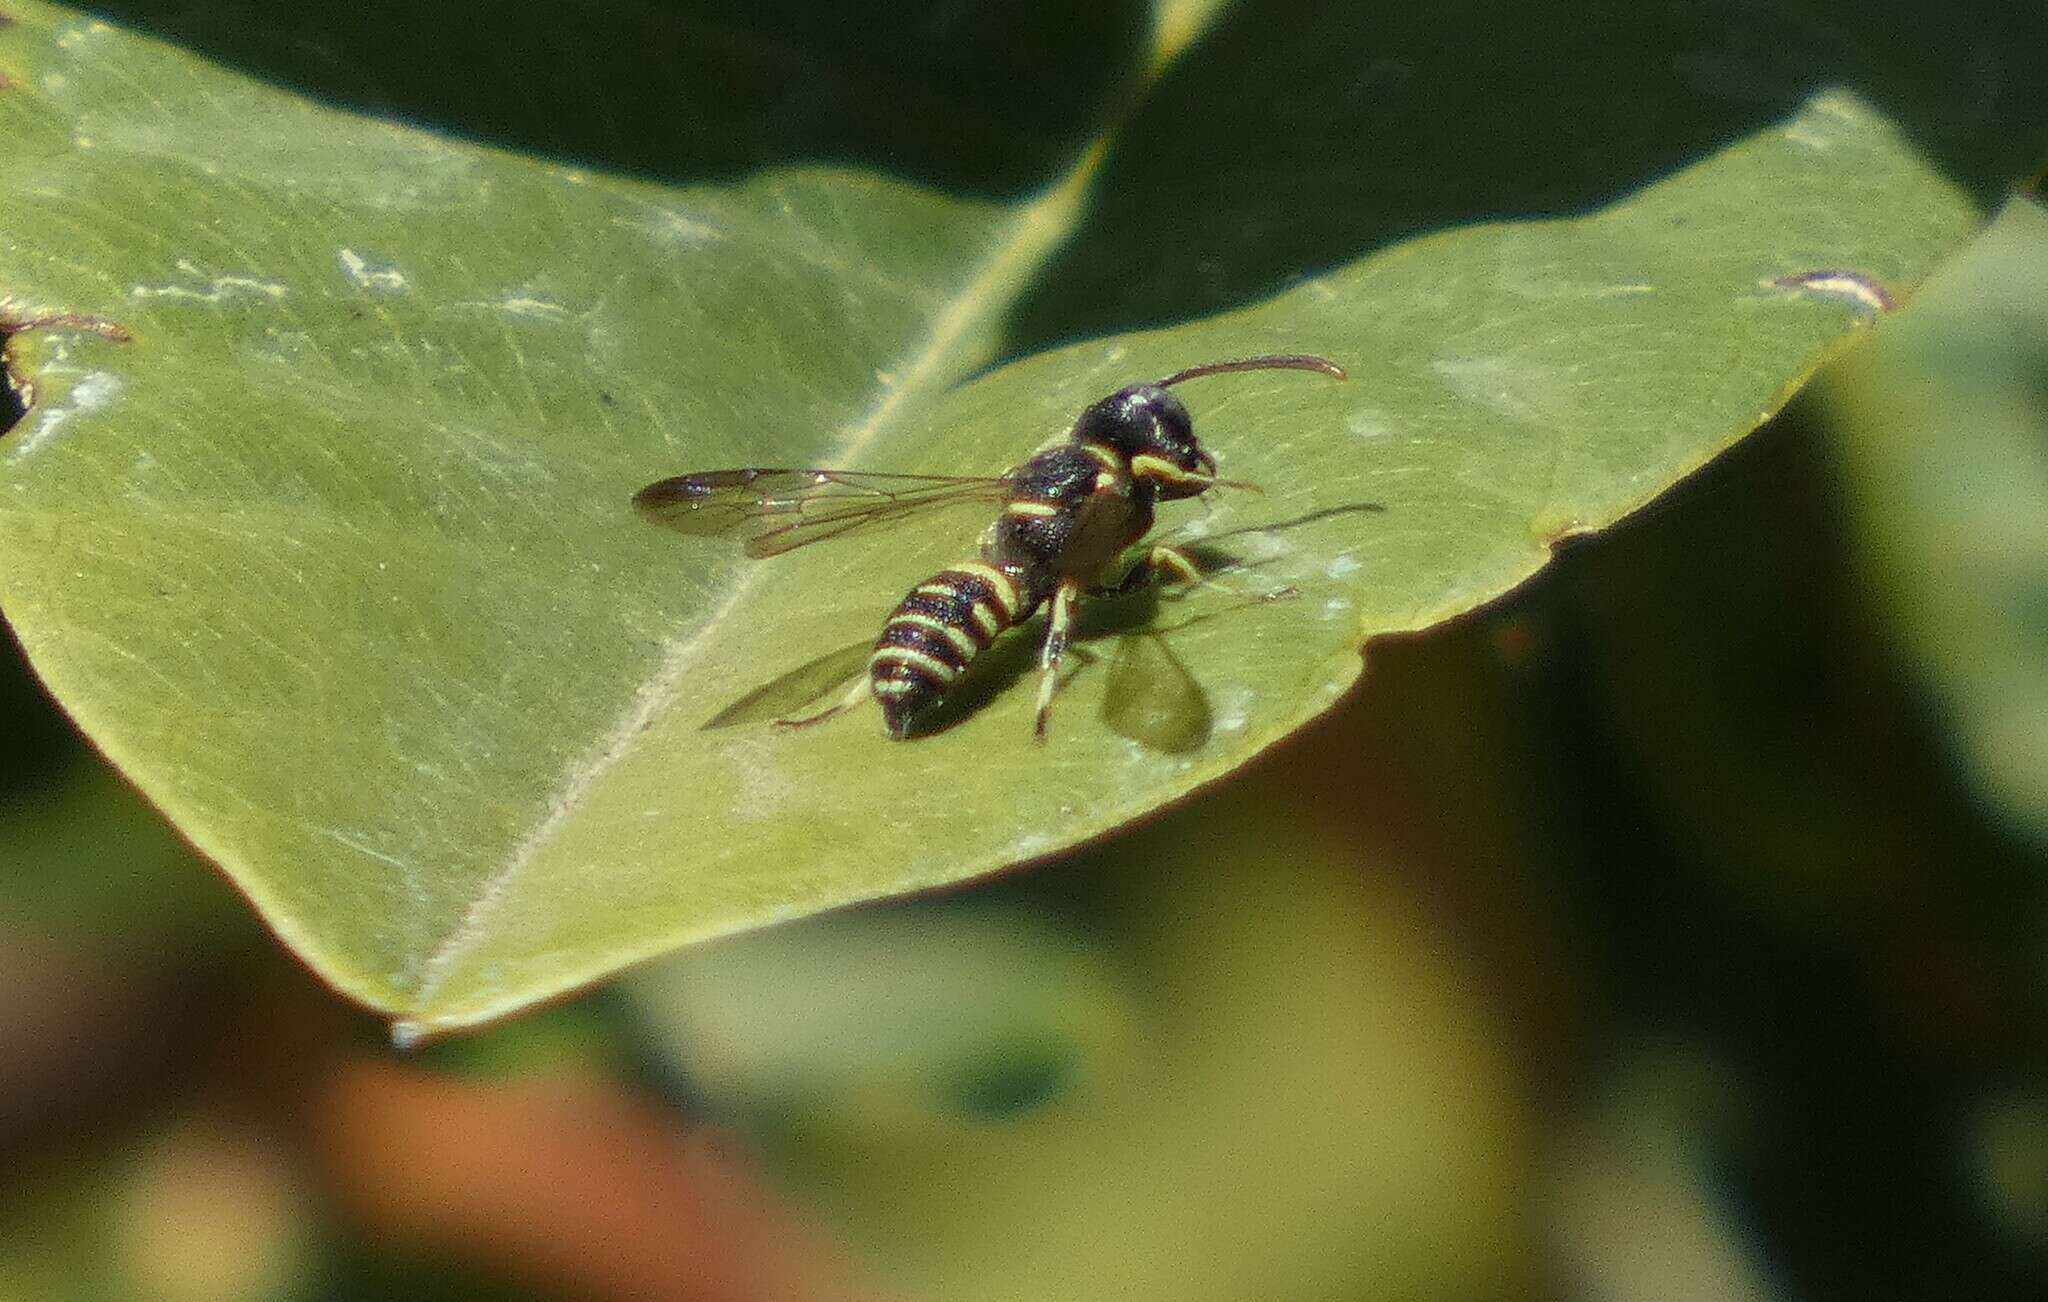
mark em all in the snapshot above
pixel 773 511
pixel 791 691
pixel 1151 697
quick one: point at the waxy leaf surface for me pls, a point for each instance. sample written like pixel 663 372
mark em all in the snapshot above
pixel 334 558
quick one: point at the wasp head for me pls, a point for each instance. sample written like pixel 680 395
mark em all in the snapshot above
pixel 1151 428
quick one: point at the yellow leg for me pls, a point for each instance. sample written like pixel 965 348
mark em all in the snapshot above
pixel 1059 626
pixel 1175 566
pixel 1172 565
pixel 1160 562
pixel 855 694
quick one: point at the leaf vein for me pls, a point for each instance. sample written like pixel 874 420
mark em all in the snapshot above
pixel 946 352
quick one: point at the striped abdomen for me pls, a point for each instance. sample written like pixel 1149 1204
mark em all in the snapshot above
pixel 935 632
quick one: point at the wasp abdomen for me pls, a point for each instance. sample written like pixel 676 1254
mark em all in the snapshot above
pixel 935 632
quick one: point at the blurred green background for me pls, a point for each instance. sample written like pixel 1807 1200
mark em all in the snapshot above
pixel 1674 929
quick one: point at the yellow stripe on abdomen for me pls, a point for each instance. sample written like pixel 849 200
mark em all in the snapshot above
pixel 958 637
pixel 922 662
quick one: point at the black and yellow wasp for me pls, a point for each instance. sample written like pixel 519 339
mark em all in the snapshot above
pixel 1067 514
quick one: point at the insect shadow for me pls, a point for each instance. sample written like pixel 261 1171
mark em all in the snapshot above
pixel 1300 521
pixel 1150 696
pixel 993 672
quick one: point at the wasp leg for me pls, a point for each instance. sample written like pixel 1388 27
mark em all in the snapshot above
pixel 1059 626
pixel 1161 563
pixel 854 696
pixel 1172 565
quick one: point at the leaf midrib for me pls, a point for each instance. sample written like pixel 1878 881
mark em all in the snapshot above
pixel 1038 230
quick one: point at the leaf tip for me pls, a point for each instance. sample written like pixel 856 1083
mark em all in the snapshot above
pixel 408 1034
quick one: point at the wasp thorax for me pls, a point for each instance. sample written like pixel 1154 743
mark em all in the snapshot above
pixel 1151 427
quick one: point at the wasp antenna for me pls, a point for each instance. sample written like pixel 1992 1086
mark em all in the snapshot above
pixel 1246 484
pixel 1281 362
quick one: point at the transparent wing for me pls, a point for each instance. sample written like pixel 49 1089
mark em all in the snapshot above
pixel 1153 699
pixel 774 511
pixel 808 683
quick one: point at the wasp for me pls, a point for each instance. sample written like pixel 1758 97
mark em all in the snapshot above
pixel 1068 514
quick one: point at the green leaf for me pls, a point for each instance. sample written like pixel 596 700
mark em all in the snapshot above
pixel 334 558
pixel 1944 432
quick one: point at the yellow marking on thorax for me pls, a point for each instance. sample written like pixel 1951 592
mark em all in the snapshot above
pixel 1107 455
pixel 1147 466
pixel 958 637
pixel 1039 510
pixel 910 655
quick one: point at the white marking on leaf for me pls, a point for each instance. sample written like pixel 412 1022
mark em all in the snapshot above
pixel 93 391
pixel 673 228
pixel 1523 393
pixel 218 289
pixel 1232 706
pixel 1259 547
pixel 764 788
pixel 363 273
pixel 1368 423
pixel 1849 286
pixel 523 305
pixel 1029 845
